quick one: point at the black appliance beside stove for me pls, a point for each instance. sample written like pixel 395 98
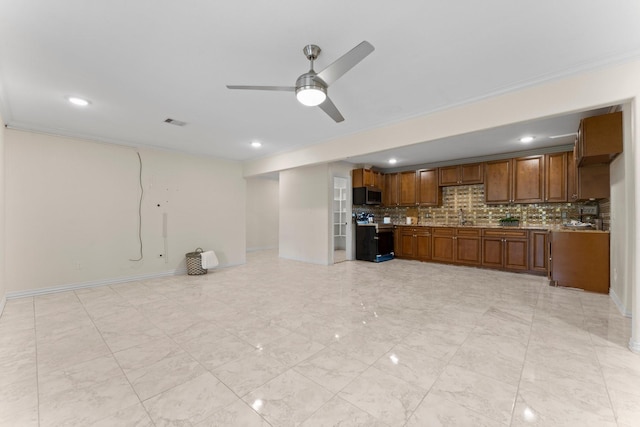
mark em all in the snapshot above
pixel 374 242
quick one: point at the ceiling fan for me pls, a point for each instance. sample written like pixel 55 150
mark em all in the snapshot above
pixel 311 87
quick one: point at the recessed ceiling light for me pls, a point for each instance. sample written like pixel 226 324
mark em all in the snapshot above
pixel 393 161
pixel 256 144
pixel 526 139
pixel 78 101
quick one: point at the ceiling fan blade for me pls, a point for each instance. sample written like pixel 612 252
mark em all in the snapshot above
pixel 330 108
pixel 278 88
pixel 346 62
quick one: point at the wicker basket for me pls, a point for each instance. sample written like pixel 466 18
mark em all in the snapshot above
pixel 194 263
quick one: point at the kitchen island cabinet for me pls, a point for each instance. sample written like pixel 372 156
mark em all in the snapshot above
pixel 580 260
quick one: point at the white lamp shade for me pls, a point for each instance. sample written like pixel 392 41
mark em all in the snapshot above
pixel 311 96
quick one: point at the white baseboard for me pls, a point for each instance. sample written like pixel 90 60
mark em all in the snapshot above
pixel 3 302
pixel 93 284
pixel 634 346
pixel 618 303
pixel 263 248
pixel 104 282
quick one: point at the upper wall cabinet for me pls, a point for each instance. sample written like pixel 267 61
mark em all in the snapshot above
pixel 366 178
pixel 555 179
pixel 599 139
pixel 407 188
pixel 461 174
pixel 519 180
pixel 428 193
pixel 390 193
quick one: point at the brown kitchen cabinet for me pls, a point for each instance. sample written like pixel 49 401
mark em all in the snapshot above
pixel 580 259
pixel 456 245
pixel 390 192
pixel 443 244
pixel 555 177
pixel 407 188
pixel 467 244
pixel 461 174
pixel 586 182
pixel 505 249
pixel 414 243
pixel 428 192
pixel 599 139
pixel 518 180
pixel 378 180
pixel 362 178
pixel 539 251
pixel 497 181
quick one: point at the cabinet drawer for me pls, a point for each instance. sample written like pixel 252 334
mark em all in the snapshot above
pixel 475 232
pixel 505 233
pixel 441 231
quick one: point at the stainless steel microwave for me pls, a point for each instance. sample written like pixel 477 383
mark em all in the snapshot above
pixel 367 196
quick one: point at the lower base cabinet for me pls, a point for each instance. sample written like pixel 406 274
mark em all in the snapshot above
pixel 499 248
pixel 456 245
pixel 414 243
pixel 580 260
pixel 505 249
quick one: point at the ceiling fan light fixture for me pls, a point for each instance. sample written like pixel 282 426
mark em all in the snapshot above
pixel 311 95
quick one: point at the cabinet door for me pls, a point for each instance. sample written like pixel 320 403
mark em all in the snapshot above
pixel 539 242
pixel 390 193
pixel 378 180
pixel 528 179
pixel 408 188
pixel 397 239
pixel 471 174
pixel 572 176
pixel 442 244
pixel 448 175
pixel 368 178
pixel 407 243
pixel 468 250
pixel 593 182
pixel 497 181
pixel 428 191
pixel 516 254
pixel 492 248
pixel 556 177
pixel 599 138
pixel 423 245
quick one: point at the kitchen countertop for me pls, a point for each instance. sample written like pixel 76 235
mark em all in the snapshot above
pixel 558 228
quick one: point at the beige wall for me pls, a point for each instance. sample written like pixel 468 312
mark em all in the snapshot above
pixel 263 209
pixel 72 211
pixel 304 214
pixel 3 288
pixel 622 219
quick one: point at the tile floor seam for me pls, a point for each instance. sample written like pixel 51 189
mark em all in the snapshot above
pixel 113 356
pixel 524 362
pixel 35 344
pixel 604 379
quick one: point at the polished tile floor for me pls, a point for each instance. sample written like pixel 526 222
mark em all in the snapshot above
pixel 283 343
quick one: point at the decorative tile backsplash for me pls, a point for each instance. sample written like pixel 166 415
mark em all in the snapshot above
pixel 470 198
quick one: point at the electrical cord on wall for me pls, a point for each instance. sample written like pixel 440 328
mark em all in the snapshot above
pixel 139 209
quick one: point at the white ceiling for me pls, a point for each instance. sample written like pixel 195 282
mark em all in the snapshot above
pixel 140 62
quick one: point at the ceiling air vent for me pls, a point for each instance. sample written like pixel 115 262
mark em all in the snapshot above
pixel 175 122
